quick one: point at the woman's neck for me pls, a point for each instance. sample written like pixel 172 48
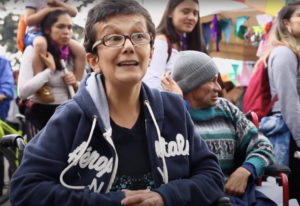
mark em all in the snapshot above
pixel 124 104
pixel 179 33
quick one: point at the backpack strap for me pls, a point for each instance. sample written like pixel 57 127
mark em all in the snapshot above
pixel 169 48
pixel 275 98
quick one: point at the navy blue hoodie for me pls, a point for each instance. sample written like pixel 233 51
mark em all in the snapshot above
pixel 79 134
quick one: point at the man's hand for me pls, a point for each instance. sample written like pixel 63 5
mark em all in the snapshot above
pixel 142 198
pixel 169 84
pixel 237 183
pixel 2 97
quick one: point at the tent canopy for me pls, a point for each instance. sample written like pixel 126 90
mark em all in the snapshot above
pixel 207 7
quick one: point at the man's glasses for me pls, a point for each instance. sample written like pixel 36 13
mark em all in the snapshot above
pixel 118 40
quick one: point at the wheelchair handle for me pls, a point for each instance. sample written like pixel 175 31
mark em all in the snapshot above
pixel 12 140
pixel 297 155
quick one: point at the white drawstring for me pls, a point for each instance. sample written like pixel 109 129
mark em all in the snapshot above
pixel 107 136
pixel 165 169
pixel 297 154
pixel 74 163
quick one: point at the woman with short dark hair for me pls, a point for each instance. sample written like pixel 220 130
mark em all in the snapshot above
pixel 118 142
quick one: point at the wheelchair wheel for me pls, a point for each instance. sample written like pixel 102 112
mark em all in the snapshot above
pixel 7 169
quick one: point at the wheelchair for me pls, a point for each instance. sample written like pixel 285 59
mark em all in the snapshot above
pixel 278 171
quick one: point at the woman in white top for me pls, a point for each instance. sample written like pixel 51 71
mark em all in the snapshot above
pixel 178 30
pixel 57 28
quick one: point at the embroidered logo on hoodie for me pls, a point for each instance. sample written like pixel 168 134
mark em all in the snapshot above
pixel 180 147
pixel 94 161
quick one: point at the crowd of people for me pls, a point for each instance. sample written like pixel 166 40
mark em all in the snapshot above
pixel 149 126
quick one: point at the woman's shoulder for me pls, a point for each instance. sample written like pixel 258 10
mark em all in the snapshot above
pixel 161 37
pixel 278 52
pixel 282 50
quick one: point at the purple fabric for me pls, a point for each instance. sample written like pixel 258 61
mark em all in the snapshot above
pixel 183 40
pixel 216 31
pixel 64 51
pixel 206 32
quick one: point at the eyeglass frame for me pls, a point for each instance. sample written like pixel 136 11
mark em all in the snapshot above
pixel 101 41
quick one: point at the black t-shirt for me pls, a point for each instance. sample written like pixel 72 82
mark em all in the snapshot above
pixel 134 169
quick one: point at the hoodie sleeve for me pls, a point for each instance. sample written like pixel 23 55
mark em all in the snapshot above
pixel 36 182
pixel 206 181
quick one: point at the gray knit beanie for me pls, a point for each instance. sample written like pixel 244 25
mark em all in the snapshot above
pixel 193 69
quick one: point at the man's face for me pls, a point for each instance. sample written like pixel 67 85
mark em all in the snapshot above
pixel 207 94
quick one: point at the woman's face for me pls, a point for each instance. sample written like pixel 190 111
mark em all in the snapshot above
pixel 185 16
pixel 293 25
pixel 61 30
pixel 123 65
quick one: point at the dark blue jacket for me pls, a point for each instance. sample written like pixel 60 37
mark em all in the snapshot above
pixel 192 175
pixel 7 85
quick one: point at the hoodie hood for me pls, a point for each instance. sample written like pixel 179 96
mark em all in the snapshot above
pixel 95 88
pixel 92 90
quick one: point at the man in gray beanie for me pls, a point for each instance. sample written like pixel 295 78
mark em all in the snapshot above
pixel 243 152
pixel 193 69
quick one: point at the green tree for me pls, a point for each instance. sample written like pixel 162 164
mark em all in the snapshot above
pixel 9 26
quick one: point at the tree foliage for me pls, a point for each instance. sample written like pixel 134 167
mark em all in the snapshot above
pixel 9 26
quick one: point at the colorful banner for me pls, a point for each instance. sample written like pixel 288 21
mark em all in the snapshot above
pixel 266 6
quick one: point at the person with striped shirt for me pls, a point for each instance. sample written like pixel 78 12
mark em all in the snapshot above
pixel 243 152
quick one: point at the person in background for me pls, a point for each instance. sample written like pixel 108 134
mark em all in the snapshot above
pixel 57 27
pixel 234 94
pixel 36 11
pixel 6 87
pixel 282 57
pixel 6 95
pixel 178 30
pixel 11 119
pixel 243 152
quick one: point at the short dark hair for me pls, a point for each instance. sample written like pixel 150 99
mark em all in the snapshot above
pixel 166 27
pixel 110 8
pixel 46 24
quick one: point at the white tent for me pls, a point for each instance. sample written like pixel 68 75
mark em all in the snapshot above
pixel 207 7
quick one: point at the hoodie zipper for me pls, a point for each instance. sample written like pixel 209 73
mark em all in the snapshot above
pixel 115 167
pixel 151 155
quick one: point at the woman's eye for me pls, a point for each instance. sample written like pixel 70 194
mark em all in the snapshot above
pixel 114 38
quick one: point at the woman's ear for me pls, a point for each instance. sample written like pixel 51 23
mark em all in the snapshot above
pixel 287 25
pixel 93 61
pixel 47 31
pixel 151 55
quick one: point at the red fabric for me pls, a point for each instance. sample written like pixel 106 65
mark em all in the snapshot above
pixel 258 96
